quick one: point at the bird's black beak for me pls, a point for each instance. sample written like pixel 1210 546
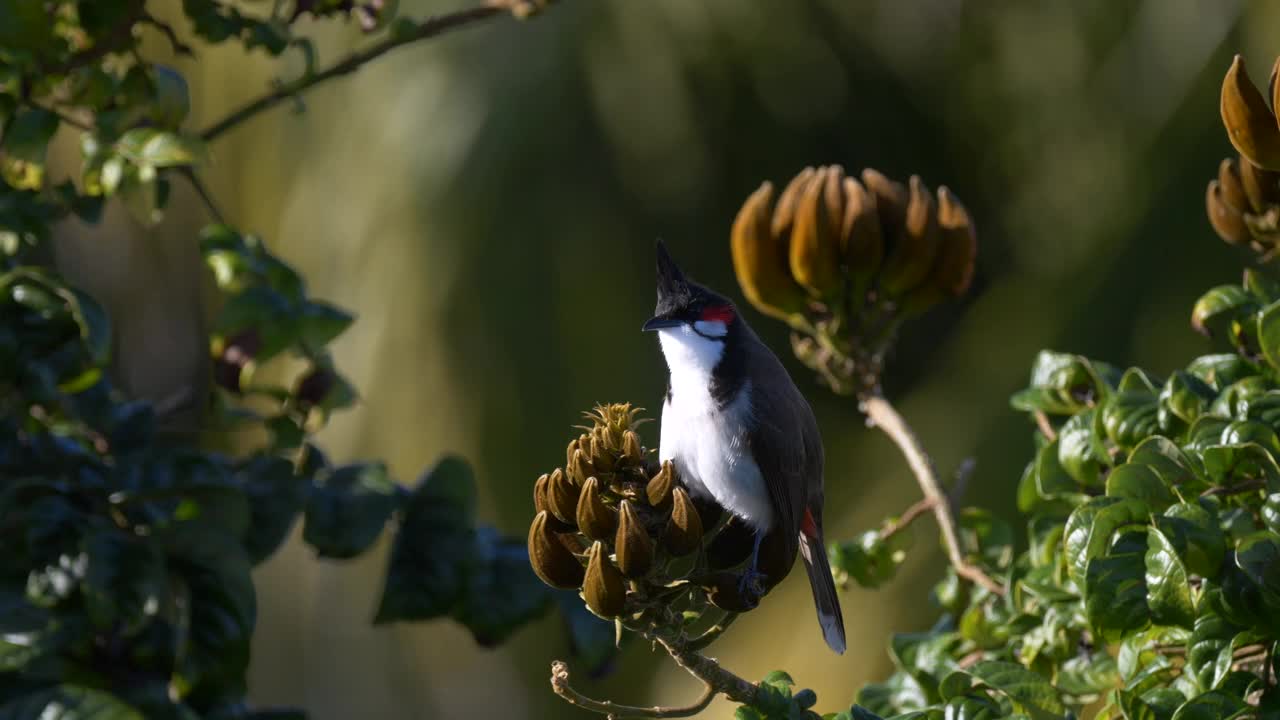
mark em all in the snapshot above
pixel 660 322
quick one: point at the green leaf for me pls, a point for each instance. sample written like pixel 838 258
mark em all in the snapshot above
pixel 319 323
pixel 68 702
pixel 347 509
pixel 1166 459
pixel 1090 527
pixel 1139 482
pixel 125 580
pixel 866 559
pixel 1197 528
pixel 1168 589
pixel 276 496
pixel 427 573
pixel 1184 397
pixel 1028 690
pixel 1051 481
pixel 1212 705
pixel 1209 644
pixel 1215 309
pixel 1227 465
pixel 161 148
pixel 501 592
pixel 1088 675
pixel 1077 451
pixel 1063 384
pixel 1116 592
pixel 1221 370
pixel 1271 513
pixel 27 135
pixel 1269 333
pixel 1259 557
pixel 27 632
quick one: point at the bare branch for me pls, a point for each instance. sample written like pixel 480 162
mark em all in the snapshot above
pixel 560 684
pixel 710 634
pixel 883 415
pixel 921 506
pixel 428 28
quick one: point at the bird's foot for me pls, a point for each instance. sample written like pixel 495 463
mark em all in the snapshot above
pixel 751 586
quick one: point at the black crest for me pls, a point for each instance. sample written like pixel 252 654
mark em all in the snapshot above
pixel 675 293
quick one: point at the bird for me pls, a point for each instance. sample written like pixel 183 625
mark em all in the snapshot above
pixel 740 432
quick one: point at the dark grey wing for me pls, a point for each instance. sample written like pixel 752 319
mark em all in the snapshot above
pixel 778 445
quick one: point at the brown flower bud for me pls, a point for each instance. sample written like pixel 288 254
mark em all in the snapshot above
pixel 760 259
pixel 784 213
pixel 562 496
pixel 862 245
pixel 1261 187
pixel 891 203
pixel 723 592
pixel 603 458
pixel 684 531
pixel 580 468
pixel 603 587
pixel 540 503
pixel 658 491
pixel 952 270
pixel 1232 185
pixel 632 544
pixel 632 451
pixel 587 445
pixel 912 252
pixel 597 520
pixel 1226 220
pixel 1251 125
pixel 569 451
pixel 551 560
pixel 815 237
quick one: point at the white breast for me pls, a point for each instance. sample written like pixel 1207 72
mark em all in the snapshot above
pixel 709 444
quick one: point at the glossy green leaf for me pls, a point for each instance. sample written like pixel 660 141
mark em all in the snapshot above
pixel 1216 308
pixel 1077 451
pixel 1089 529
pixel 1212 705
pixel 1139 482
pixel 1115 592
pixel 1269 333
pixel 1168 590
pixel 276 497
pixel 1029 691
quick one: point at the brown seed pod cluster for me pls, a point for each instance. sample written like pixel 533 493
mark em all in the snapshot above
pixel 850 257
pixel 625 531
pixel 1243 202
pixel 829 236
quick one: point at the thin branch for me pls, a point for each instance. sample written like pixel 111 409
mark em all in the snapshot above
pixel 921 506
pixel 715 681
pixel 883 415
pixel 179 47
pixel 1046 428
pixel 428 28
pixel 560 684
pixel 1244 487
pixel 205 196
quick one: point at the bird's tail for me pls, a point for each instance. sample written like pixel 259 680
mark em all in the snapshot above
pixel 825 598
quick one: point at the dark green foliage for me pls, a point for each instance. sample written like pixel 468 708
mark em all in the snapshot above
pixel 1149 584
pixel 125 588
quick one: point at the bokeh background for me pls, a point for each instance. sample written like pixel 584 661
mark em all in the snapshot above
pixel 487 203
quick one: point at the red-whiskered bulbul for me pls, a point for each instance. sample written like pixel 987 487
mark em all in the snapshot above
pixel 738 430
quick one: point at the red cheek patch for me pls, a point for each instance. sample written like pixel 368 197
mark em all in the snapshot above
pixel 718 313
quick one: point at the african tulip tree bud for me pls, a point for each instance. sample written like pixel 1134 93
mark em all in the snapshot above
pixel 815 237
pixel 1251 125
pixel 658 491
pixel 632 450
pixel 684 531
pixel 891 202
pixel 760 259
pixel 862 244
pixel 603 587
pixel 1226 220
pixel 1261 187
pixel 551 560
pixel 562 496
pixel 596 520
pixel 1232 185
pixel 632 544
pixel 912 252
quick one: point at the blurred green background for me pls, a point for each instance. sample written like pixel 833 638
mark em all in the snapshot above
pixel 487 203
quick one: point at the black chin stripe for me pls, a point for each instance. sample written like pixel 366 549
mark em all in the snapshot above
pixel 729 373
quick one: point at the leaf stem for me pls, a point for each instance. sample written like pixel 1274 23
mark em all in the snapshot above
pixel 883 415
pixel 423 30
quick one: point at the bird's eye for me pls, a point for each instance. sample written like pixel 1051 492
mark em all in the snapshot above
pixel 717 313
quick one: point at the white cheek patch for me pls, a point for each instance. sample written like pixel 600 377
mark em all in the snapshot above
pixel 711 328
